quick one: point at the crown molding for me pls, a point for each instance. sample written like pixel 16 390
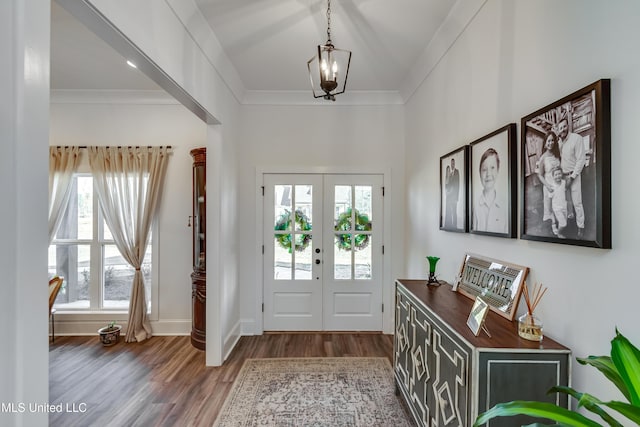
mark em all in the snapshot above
pixel 305 97
pixel 252 97
pixel 140 97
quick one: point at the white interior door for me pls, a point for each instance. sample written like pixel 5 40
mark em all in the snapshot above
pixel 322 266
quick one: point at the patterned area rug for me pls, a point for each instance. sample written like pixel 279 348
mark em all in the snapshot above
pixel 317 392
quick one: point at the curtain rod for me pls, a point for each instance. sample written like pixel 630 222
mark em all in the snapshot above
pixel 119 146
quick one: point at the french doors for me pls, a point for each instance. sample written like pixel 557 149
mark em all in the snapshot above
pixel 322 265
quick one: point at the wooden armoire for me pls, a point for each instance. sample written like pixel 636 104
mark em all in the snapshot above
pixel 199 274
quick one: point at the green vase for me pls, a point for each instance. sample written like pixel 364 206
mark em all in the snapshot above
pixel 433 260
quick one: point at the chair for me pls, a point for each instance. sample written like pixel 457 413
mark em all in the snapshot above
pixel 54 287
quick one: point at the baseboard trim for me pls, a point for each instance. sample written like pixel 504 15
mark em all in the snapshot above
pixel 231 341
pixel 87 328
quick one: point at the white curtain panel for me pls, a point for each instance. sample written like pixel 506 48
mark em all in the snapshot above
pixel 128 182
pixel 63 162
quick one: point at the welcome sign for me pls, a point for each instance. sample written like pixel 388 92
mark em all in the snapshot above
pixel 498 283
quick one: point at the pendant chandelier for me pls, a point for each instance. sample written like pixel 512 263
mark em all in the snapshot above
pixel 330 66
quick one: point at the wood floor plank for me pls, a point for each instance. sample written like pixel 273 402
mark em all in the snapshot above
pixel 164 381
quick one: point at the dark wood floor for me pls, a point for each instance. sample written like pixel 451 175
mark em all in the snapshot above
pixel 164 381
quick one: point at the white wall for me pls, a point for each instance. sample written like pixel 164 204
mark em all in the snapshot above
pixel 223 259
pixel 514 58
pixel 130 122
pixel 319 138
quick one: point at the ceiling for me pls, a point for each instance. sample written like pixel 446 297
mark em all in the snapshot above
pixel 269 42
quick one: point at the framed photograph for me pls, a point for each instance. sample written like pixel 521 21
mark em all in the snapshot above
pixel 566 170
pixel 477 315
pixel 454 181
pixel 499 283
pixel 492 186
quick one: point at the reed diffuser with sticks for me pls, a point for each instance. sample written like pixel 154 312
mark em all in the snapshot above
pixel 529 326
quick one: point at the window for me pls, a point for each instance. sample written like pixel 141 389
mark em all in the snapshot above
pixel 96 276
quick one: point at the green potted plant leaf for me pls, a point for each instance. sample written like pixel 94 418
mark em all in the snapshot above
pixel 622 368
pixel 109 334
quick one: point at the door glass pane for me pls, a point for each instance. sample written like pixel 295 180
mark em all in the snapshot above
pixel 72 263
pixel 362 256
pixel 303 198
pixel 352 249
pixel 77 222
pixel 282 257
pixel 303 257
pixel 282 206
pixel 284 245
pixel 342 207
pixel 292 252
pixel 362 194
pixel 342 257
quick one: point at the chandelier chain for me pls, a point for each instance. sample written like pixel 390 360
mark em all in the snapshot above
pixel 328 21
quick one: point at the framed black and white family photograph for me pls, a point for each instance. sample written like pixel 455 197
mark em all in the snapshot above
pixel 492 183
pixel 566 170
pixel 453 190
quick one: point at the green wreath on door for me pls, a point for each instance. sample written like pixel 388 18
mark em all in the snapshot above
pixel 343 223
pixel 284 223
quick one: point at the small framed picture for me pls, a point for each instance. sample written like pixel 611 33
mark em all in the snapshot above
pixel 477 315
pixel 453 190
pixel 566 170
pixel 493 175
